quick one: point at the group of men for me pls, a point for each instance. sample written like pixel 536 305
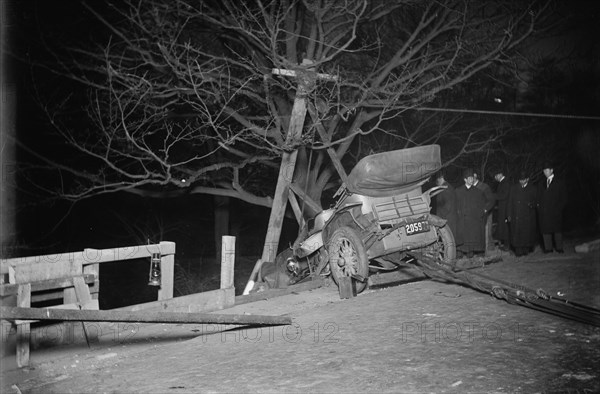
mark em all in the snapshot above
pixel 521 207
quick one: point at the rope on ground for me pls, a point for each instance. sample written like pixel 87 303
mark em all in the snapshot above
pixel 510 292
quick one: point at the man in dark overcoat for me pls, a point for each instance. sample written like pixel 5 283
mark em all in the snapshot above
pixel 471 215
pixel 521 215
pixel 446 202
pixel 502 194
pixel 490 201
pixel 552 199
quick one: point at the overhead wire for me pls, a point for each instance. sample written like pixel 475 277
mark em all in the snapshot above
pixel 509 113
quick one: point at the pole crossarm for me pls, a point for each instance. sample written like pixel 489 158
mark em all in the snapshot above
pixel 294 73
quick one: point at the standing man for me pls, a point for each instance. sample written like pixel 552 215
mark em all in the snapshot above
pixel 552 199
pixel 490 201
pixel 521 215
pixel 446 203
pixel 471 214
pixel 502 194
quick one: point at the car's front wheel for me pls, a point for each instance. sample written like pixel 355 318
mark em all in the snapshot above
pixel 348 257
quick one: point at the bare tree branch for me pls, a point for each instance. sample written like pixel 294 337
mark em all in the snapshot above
pixel 181 95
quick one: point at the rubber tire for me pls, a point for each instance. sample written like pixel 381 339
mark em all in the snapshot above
pixel 448 256
pixel 350 238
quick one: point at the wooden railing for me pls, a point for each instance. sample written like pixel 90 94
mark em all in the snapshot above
pixel 39 269
pixel 73 276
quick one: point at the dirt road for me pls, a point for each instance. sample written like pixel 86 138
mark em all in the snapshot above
pixel 414 338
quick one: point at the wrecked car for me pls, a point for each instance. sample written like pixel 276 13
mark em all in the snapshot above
pixel 381 216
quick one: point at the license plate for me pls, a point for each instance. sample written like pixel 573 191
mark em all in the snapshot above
pixel 416 228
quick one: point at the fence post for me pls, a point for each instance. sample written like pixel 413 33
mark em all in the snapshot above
pixel 167 271
pixel 227 261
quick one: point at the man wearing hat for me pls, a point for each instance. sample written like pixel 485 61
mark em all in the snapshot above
pixel 552 199
pixel 502 194
pixel 471 216
pixel 521 215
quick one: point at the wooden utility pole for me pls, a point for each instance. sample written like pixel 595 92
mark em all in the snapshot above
pixel 306 79
pixel 288 161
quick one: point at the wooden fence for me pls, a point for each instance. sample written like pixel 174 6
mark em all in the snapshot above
pixel 74 278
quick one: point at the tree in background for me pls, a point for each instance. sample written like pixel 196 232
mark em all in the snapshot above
pixel 181 97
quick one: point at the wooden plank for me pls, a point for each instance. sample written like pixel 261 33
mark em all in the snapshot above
pixel 307 200
pixel 200 302
pixel 82 291
pixel 93 269
pixel 35 272
pixel 13 313
pixel 69 296
pixel 288 163
pixel 337 164
pixel 296 209
pixel 11 289
pixel 91 304
pixel 11 274
pixel 167 275
pixel 93 256
pixel 23 330
pixel 227 261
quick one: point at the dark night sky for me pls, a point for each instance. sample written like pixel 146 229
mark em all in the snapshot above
pixel 66 21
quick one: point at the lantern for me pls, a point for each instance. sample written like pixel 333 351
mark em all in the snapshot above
pixel 155 275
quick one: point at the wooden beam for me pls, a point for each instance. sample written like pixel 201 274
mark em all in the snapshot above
pixel 23 330
pixel 286 172
pixel 14 313
pixel 330 151
pixel 307 200
pixel 296 208
pixel 11 289
pixel 42 271
pixel 167 277
pixel 227 261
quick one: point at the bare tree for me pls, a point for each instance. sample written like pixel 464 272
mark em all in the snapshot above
pixel 182 98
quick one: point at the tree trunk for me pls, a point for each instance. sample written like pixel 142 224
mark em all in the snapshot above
pixel 8 169
pixel 221 222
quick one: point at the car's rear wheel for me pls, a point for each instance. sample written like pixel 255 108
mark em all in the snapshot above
pixel 348 257
pixel 444 249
